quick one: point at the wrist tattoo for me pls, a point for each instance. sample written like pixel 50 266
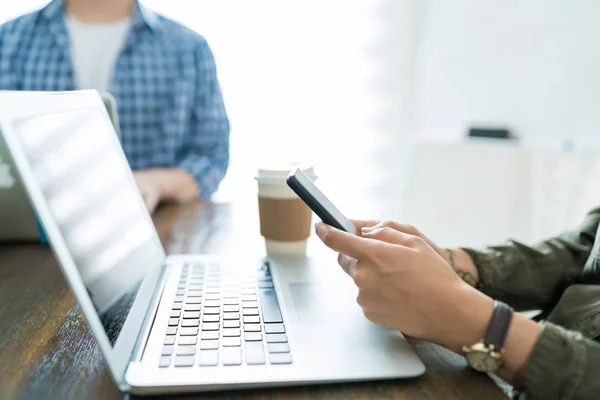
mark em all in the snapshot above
pixel 467 277
pixel 464 275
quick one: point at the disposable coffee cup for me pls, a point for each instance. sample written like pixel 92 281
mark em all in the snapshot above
pixel 285 221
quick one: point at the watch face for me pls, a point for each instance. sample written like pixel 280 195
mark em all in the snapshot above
pixel 483 362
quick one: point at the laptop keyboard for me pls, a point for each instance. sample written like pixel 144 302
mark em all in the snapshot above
pixel 224 320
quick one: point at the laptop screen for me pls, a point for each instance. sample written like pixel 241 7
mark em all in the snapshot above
pixel 95 205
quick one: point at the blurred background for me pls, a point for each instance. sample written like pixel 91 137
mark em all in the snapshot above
pixel 380 95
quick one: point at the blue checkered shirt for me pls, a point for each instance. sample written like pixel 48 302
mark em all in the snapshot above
pixel 170 105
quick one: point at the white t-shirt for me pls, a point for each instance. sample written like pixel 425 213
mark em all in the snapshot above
pixel 94 51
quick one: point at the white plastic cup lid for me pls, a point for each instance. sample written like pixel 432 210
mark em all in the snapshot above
pixel 277 173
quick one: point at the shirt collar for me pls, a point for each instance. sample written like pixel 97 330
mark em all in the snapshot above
pixel 142 17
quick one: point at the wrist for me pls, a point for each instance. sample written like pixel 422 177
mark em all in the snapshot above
pixel 467 318
pixel 464 266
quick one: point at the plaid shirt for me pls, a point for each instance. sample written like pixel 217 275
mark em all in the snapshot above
pixel 170 105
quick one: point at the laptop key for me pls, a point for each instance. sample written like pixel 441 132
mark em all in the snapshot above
pixel 186 350
pixel 231 355
pixel 184 361
pixel 231 324
pixel 249 297
pixel 229 308
pixel 212 303
pixel 164 362
pixel 255 354
pixel 276 338
pixel 178 299
pixel 248 292
pixel 250 304
pixel 212 296
pixel 212 311
pixel 170 340
pixel 173 321
pixel 251 320
pixel 232 332
pixel 187 341
pixel 190 323
pixel 278 347
pixel 194 300
pixel 251 311
pixel 208 358
pixel 194 293
pixel 175 314
pixel 253 336
pixel 274 328
pixel 193 307
pixel 230 316
pixel 231 301
pixel 176 306
pixel 167 350
pixel 210 335
pixel 210 326
pixel 188 332
pixel 270 306
pixel 231 342
pixel 252 328
pixel 191 315
pixel 211 318
pixel 280 358
pixel 180 292
pixel 209 344
pixel 172 330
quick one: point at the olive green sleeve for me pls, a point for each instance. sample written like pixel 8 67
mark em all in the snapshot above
pixel 533 276
pixel 564 365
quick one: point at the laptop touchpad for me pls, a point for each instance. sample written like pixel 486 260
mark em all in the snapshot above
pixel 324 302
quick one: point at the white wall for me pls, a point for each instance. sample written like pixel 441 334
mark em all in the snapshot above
pixel 534 65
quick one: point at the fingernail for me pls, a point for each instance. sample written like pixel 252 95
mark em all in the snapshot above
pixel 366 229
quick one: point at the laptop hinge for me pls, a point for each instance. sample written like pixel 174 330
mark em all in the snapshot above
pixel 144 333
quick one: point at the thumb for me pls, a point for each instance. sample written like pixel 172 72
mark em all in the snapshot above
pixel 391 235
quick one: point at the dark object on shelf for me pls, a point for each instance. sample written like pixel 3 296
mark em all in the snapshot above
pixel 493 133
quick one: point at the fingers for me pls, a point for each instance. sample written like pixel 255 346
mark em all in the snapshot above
pixel 342 242
pixel 393 236
pixel 151 201
pixel 406 228
pixel 360 224
pixel 348 264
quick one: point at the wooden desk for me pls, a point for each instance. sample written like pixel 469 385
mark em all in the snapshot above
pixel 48 352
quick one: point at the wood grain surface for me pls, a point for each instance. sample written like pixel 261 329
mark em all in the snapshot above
pixel 48 352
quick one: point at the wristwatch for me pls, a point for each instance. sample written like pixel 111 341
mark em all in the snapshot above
pixel 486 355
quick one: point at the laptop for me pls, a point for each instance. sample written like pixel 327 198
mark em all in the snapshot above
pixel 182 323
pixel 18 222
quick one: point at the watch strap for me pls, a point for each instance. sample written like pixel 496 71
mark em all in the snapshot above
pixel 498 327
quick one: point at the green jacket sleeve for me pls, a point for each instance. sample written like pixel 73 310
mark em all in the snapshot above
pixel 563 365
pixel 534 276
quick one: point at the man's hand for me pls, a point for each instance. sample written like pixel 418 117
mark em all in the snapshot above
pixel 458 259
pixel 406 285
pixel 403 283
pixel 158 185
pixel 150 188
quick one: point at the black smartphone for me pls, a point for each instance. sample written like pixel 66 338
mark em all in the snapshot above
pixel 306 189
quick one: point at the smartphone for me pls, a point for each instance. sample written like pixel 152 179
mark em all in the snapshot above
pixel 306 189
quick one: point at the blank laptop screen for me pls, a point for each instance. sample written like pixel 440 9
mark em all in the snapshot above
pixel 95 204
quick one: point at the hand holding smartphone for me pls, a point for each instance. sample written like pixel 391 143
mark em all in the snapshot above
pixel 305 188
